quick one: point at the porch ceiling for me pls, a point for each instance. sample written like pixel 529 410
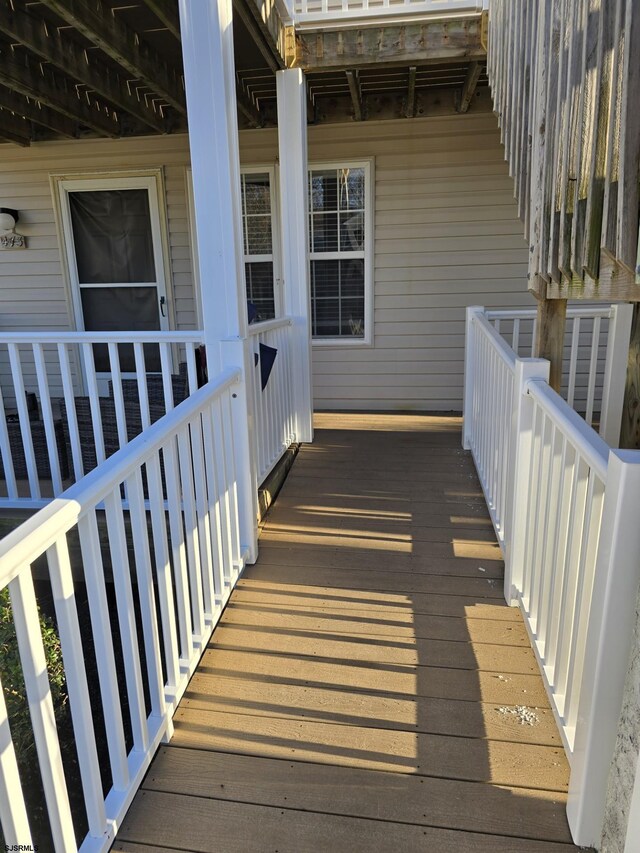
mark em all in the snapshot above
pixel 75 68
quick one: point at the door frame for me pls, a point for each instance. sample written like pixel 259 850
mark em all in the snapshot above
pixel 150 179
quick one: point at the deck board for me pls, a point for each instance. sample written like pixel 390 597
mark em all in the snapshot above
pixel 355 695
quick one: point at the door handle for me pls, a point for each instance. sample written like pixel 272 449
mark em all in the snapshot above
pixel 163 301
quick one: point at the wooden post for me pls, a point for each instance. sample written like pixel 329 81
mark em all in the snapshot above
pixel 550 323
pixel 630 432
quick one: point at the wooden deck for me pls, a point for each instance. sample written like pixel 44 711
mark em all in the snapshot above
pixel 358 694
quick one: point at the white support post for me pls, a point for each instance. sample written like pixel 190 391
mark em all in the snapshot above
pixel 469 374
pixel 209 73
pixel 615 372
pixel 523 411
pixel 608 644
pixel 294 212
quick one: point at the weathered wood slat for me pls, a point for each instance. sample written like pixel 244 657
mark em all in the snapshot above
pixel 338 790
pixel 359 692
pixel 564 75
pixel 214 825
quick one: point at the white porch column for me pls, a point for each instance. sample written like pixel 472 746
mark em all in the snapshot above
pixel 294 213
pixel 207 45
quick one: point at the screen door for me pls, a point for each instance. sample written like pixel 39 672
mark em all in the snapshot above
pixel 114 248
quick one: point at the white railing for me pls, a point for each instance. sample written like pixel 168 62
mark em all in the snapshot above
pixel 273 404
pixel 564 507
pixel 169 570
pixel 83 414
pixel 595 350
pixel 327 12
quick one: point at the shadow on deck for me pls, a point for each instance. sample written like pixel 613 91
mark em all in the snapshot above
pixel 367 686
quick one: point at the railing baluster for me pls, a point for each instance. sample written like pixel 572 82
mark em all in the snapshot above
pixel 23 417
pixel 593 369
pixel 584 495
pixel 167 384
pixel 515 340
pixel 192 539
pixel 76 677
pixel 151 637
pixel 178 552
pixel 213 500
pixel 13 812
pixel 126 618
pixel 221 460
pixel 192 375
pixel 163 573
pixel 72 415
pixel 94 401
pixel 575 669
pixel 103 645
pixel 203 519
pixel 47 417
pixel 573 360
pixel 232 481
pixel 7 456
pixel 141 381
pixel 34 669
pixel 118 396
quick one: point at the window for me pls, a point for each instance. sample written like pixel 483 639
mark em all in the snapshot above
pixel 340 243
pixel 258 211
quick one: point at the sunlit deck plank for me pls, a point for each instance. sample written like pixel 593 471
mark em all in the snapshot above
pixel 353 697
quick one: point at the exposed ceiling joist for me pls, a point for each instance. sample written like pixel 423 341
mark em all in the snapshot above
pixel 249 14
pixel 33 34
pixel 42 86
pixel 167 12
pixel 391 45
pixel 38 113
pixel 411 93
pixel 356 94
pixel 15 129
pixel 469 86
pixel 101 25
pixel 248 109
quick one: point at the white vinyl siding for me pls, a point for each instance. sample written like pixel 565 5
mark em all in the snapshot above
pixel 33 291
pixel 447 235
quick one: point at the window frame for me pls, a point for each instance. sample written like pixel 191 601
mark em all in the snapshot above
pixel 275 257
pixel 367 253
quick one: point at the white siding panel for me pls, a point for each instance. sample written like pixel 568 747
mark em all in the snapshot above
pixel 447 235
pixel 33 294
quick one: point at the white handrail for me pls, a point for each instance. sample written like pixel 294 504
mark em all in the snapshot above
pixel 193 518
pixel 273 406
pixel 593 449
pixel 569 540
pixel 268 325
pixel 86 413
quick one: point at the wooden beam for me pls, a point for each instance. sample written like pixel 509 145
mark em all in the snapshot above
pixel 630 431
pixel 410 110
pixel 167 12
pixel 260 33
pixel 469 86
pixel 247 108
pixel 43 86
pixel 14 129
pixel 391 44
pixel 356 94
pixel 37 113
pixel 47 43
pixel 549 342
pixel 102 26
